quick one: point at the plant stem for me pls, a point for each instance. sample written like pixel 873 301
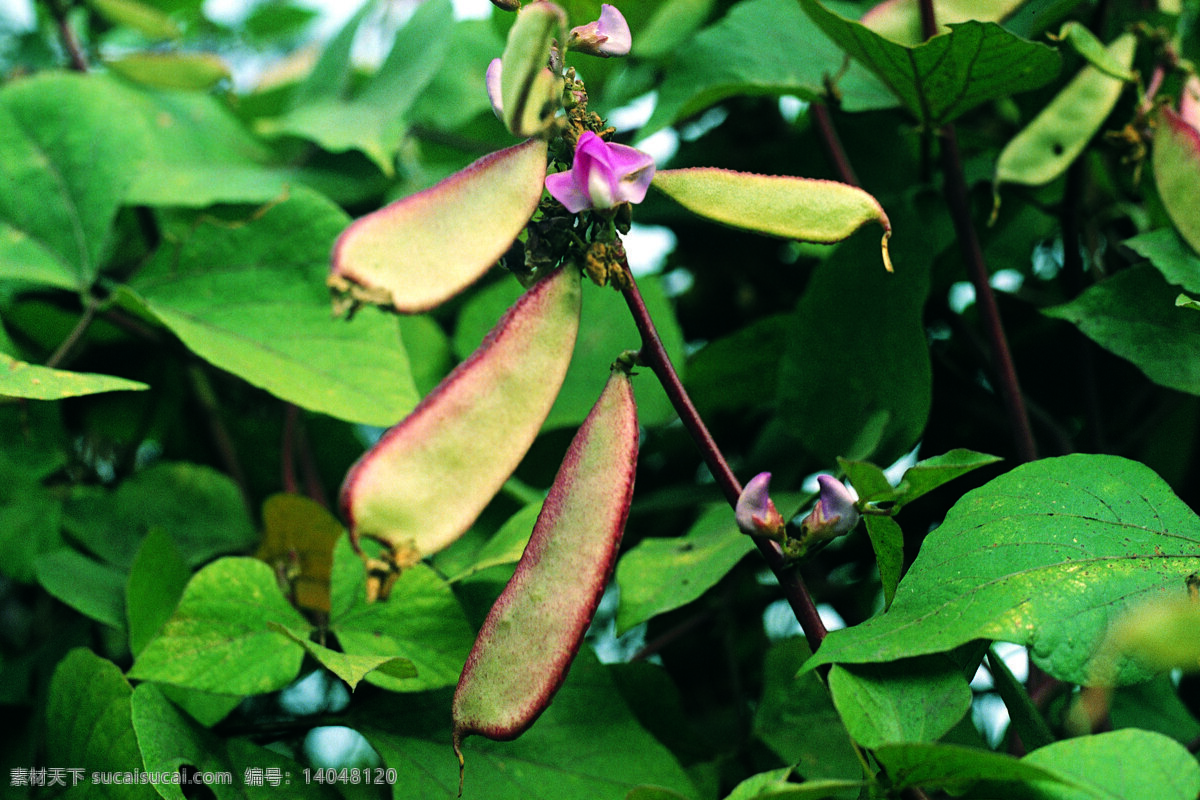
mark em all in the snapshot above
pixel 654 356
pixel 833 143
pixel 76 335
pixel 959 204
pixel 222 440
pixel 69 39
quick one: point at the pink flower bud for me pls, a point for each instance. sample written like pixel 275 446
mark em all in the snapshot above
pixel 607 36
pixel 492 80
pixel 755 512
pixel 835 513
pixel 604 175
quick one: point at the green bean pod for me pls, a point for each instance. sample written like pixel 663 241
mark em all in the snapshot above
pixel 425 482
pixel 536 626
pixel 1054 139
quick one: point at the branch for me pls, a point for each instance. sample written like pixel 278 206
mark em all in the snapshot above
pixel 70 41
pixel 654 356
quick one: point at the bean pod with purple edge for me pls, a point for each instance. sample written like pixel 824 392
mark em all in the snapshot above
pixel 425 482
pixel 535 628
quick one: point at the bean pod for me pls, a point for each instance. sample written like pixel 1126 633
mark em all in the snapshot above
pixel 536 626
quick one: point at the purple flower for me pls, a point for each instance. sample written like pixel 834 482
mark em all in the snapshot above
pixel 604 175
pixel 607 36
pixel 835 513
pixel 755 513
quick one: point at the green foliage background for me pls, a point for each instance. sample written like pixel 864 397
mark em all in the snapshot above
pixel 168 362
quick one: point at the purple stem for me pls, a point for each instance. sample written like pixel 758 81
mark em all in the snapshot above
pixel 69 39
pixel 833 143
pixel 654 356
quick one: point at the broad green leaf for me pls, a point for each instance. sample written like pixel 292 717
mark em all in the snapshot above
pixel 199 508
pixel 350 668
pixel 761 47
pixel 169 740
pixel 855 375
pixel 887 540
pixel 1026 719
pixel 142 17
pixel 66 158
pixel 1052 141
pixel 1176 162
pixel 92 588
pixel 250 299
pixel 89 724
pixel 950 74
pixel 1133 314
pixel 672 23
pixel 334 69
pixel 739 371
pixel 506 545
pixel 1183 301
pixel 446 236
pixel 456 96
pixel 791 208
pixel 661 574
pixel 421 621
pixel 796 717
pixel 218 639
pixel 900 20
pixel 191 71
pixel 605 330
pixel 30 517
pixel 930 473
pixel 777 784
pixel 546 763
pixel 207 708
pixel 156 582
pixel 914 700
pixel 373 121
pixel 1154 706
pixel 1047 555
pixel 21 379
pixel 1118 764
pixel 1170 255
pixel 955 768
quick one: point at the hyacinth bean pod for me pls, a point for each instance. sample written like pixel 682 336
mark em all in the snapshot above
pixel 1054 139
pixel 426 481
pixel 422 250
pixel 535 628
pixel 1176 161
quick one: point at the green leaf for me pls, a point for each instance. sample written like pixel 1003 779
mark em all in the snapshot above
pixel 914 700
pixel 30 516
pixel 1046 555
pixel 373 121
pixel 760 47
pixel 855 376
pixel 1085 43
pixel 930 473
pixel 350 668
pixel 605 330
pixel 65 164
pixel 250 298
pixel 169 740
pixel 1118 764
pixel 1176 162
pixel 1154 706
pixel 791 208
pixel 142 17
pixel 951 73
pixel 1026 719
pixel 199 508
pixel 1133 314
pixel 156 582
pixel 900 20
pixel 21 379
pixel 797 720
pixel 92 588
pixel 421 621
pixel 218 639
pixel 546 763
pixel 661 574
pixel 89 724
pixel 955 768
pixel 506 545
pixel 738 371
pixel 776 785
pixel 887 540
pixel 189 71
pixel 1170 255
